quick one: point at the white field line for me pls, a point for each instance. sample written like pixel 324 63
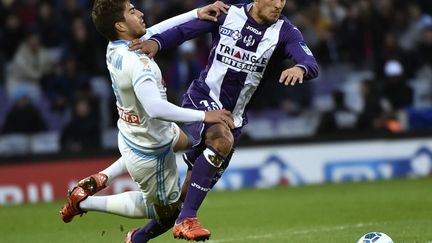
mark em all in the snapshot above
pixel 297 232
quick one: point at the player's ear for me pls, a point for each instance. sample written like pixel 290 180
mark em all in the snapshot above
pixel 120 26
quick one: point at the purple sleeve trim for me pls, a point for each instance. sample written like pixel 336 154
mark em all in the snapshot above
pixel 157 41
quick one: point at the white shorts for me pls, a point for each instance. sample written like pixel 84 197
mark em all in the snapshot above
pixel 155 173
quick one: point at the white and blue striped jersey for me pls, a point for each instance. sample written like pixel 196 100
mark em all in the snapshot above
pixel 127 69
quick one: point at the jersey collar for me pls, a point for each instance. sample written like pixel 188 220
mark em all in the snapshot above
pixel 120 42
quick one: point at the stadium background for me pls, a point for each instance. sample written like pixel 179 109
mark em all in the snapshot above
pixel 367 117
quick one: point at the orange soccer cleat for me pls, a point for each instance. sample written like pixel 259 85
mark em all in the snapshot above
pixel 71 209
pixel 190 229
pixel 93 183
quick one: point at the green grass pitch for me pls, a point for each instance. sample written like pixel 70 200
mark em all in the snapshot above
pixel 320 213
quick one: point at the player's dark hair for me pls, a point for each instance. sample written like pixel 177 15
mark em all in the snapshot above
pixel 105 14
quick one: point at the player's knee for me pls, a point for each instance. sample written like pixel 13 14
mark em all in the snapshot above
pixel 220 138
pixel 223 146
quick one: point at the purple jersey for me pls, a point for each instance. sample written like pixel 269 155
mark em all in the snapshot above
pixel 239 56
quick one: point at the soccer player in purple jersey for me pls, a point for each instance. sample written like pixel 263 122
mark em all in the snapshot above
pixel 245 41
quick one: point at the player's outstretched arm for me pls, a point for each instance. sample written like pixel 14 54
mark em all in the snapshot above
pixel 176 36
pixel 149 96
pixel 209 12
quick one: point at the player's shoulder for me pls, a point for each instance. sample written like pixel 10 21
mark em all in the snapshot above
pixel 286 22
pixel 287 26
pixel 134 57
pixel 131 55
pixel 239 9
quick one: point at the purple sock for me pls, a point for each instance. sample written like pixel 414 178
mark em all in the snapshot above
pixel 143 234
pixel 154 228
pixel 221 170
pixel 201 180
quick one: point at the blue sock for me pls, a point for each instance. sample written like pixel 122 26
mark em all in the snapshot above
pixel 200 183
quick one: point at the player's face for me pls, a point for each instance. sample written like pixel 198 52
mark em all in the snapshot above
pixel 267 11
pixel 134 21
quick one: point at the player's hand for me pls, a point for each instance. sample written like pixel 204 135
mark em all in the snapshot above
pixel 148 47
pixel 219 116
pixel 292 76
pixel 212 11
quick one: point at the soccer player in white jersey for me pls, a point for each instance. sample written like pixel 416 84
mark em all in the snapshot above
pixel 245 42
pixel 147 132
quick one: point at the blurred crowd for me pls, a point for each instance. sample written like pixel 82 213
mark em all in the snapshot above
pixel 53 75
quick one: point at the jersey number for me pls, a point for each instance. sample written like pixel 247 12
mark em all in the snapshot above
pixel 209 106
